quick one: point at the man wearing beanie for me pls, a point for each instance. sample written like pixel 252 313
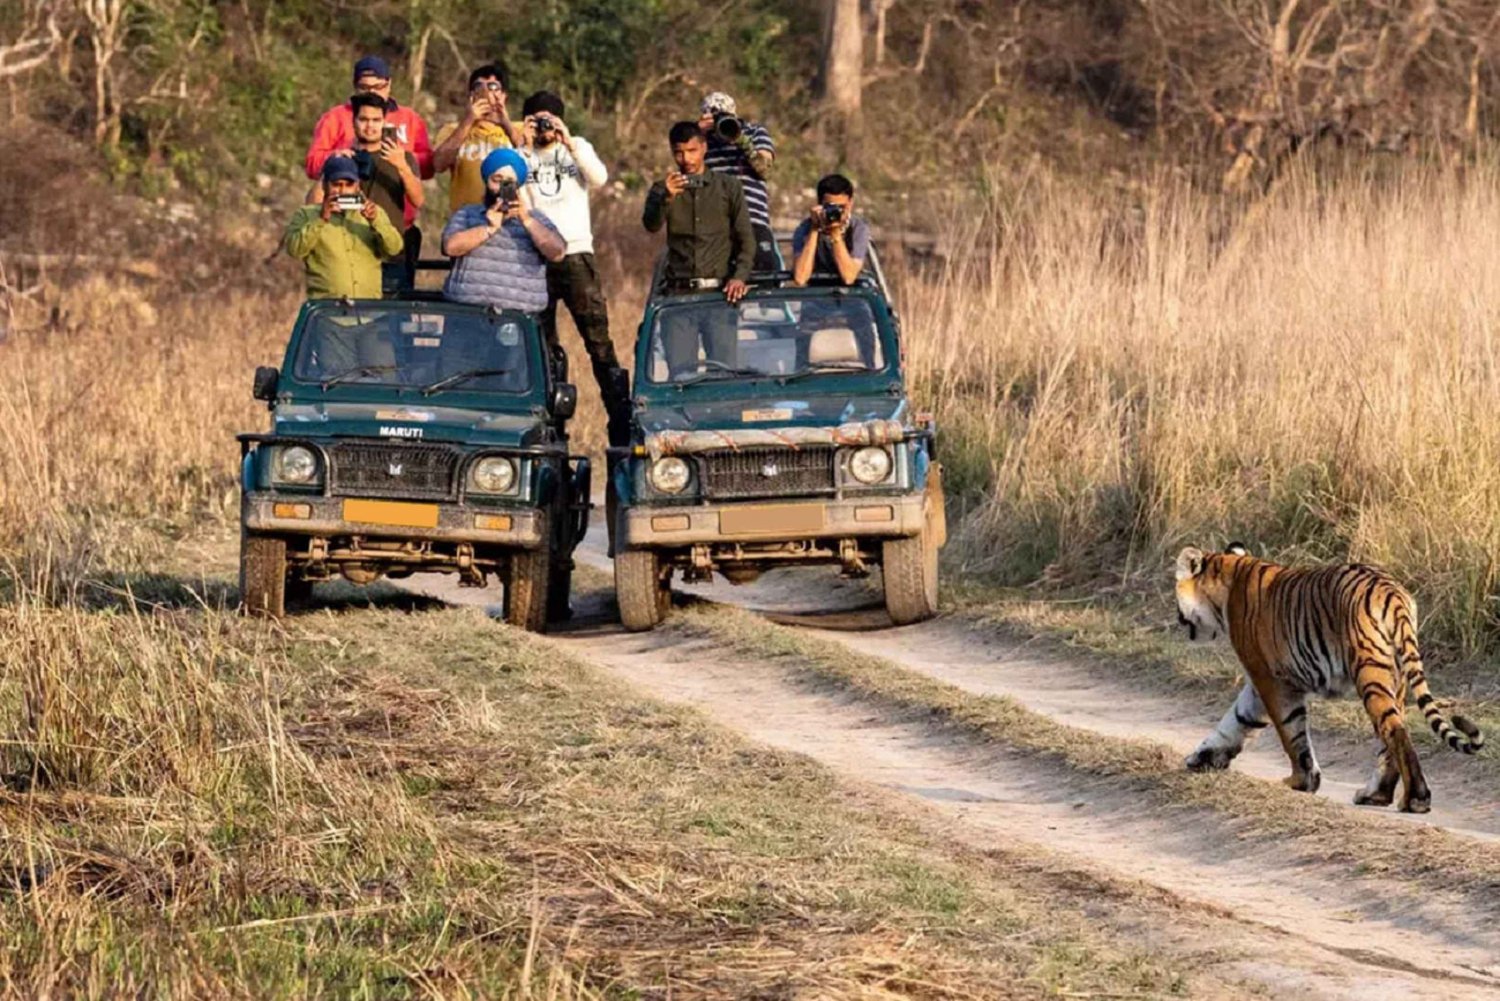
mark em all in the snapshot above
pixel 561 170
pixel 500 248
pixel 341 249
pixel 334 133
pixel 748 156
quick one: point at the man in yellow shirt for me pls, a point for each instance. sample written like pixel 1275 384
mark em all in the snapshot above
pixel 486 127
pixel 341 242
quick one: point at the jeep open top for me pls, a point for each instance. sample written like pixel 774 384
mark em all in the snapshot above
pixel 411 435
pixel 773 433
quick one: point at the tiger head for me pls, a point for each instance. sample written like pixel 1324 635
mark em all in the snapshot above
pixel 1203 590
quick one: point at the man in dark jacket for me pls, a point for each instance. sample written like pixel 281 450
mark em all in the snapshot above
pixel 710 245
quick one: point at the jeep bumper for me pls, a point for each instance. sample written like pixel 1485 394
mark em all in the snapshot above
pixel 328 517
pixel 771 521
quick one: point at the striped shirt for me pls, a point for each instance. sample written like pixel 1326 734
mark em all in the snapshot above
pixel 730 158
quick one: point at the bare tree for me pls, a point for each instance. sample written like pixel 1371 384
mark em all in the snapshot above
pixel 843 61
pixel 37 40
pixel 106 29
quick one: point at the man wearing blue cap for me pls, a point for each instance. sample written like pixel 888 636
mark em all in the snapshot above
pixel 342 241
pixel 501 247
pixel 334 133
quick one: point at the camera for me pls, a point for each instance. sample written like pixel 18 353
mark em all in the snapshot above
pixel 697 180
pixel 509 191
pixel 833 214
pixel 349 203
pixel 544 123
pixel 728 127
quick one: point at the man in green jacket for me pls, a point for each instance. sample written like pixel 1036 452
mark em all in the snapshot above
pixel 342 241
pixel 710 245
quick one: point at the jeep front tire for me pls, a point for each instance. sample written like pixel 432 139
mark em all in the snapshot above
pixel 262 575
pixel 642 590
pixel 526 589
pixel 909 572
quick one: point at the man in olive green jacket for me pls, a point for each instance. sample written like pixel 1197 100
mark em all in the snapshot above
pixel 710 245
pixel 341 248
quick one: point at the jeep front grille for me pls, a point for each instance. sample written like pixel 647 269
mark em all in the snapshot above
pixel 390 470
pixel 768 472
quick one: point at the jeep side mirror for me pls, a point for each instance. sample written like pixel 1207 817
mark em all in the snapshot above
pixel 266 377
pixel 564 400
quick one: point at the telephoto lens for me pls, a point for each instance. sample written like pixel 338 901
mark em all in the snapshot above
pixel 728 127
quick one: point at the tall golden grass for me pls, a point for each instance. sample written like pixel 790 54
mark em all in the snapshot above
pixel 1315 375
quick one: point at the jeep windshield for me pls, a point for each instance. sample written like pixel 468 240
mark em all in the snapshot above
pixel 424 347
pixel 768 337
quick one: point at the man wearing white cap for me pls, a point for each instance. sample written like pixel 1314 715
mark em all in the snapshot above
pixel 744 149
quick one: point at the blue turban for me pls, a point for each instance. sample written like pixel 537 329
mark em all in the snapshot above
pixel 503 157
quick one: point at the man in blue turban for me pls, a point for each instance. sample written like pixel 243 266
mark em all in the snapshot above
pixel 500 248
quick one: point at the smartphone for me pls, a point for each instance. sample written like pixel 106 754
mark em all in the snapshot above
pixel 389 134
pixel 349 203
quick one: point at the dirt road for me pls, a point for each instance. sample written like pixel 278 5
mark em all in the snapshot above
pixel 1194 885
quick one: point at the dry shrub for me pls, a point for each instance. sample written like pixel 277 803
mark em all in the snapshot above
pixel 1315 376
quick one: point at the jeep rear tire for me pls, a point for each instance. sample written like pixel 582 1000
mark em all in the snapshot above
pixel 642 590
pixel 262 575
pixel 526 589
pixel 909 571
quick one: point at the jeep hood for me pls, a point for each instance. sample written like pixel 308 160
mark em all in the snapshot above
pixel 411 423
pixel 770 412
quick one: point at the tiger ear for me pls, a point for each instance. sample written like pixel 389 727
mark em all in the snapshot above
pixel 1237 549
pixel 1189 563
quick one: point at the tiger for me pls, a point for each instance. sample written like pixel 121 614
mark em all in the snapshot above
pixel 1318 630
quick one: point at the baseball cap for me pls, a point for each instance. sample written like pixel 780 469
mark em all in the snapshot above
pixel 372 66
pixel 340 168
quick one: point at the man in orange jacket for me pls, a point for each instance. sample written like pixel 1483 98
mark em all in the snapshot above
pixel 334 133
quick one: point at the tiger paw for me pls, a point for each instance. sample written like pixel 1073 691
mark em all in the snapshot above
pixel 1209 759
pixel 1304 781
pixel 1377 798
pixel 1415 805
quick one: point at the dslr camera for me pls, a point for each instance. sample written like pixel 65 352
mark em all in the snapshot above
pixel 349 203
pixel 833 214
pixel 728 127
pixel 543 122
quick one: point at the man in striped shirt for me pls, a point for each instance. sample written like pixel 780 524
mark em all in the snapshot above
pixel 745 150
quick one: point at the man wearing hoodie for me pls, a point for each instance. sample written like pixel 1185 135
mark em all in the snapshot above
pixel 562 169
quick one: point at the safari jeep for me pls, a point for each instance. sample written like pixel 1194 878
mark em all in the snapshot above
pixel 412 436
pixel 773 433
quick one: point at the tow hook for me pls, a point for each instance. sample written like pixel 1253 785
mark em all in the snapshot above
pixel 701 564
pixel 468 576
pixel 854 564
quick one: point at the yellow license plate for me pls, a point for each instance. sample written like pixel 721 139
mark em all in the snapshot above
pixel 772 519
pixel 377 512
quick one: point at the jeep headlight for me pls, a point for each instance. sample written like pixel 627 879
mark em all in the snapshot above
pixel 669 474
pixel 870 465
pixel 294 464
pixel 494 474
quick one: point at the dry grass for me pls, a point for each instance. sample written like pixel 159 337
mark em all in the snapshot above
pixel 1316 378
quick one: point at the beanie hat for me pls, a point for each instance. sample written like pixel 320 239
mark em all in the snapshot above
pixel 504 157
pixel 718 103
pixel 340 168
pixel 545 101
pixel 372 66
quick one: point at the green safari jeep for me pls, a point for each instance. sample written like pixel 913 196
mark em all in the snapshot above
pixel 412 436
pixel 775 432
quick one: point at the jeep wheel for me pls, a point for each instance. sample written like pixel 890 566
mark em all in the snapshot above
pixel 526 589
pixel 642 589
pixel 909 571
pixel 262 575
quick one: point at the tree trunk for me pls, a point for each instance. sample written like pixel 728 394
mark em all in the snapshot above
pixel 843 60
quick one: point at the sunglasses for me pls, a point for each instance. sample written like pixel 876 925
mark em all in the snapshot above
pixel 371 88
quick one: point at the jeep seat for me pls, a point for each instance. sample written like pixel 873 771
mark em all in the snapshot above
pixel 833 345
